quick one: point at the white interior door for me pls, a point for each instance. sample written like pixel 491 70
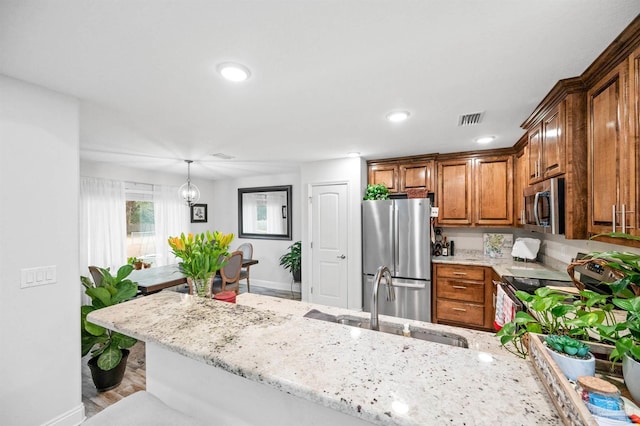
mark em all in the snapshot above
pixel 329 275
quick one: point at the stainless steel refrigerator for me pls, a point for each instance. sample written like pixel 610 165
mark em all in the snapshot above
pixel 396 234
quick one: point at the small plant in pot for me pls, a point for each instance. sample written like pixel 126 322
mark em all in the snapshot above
pixel 109 349
pixel 292 260
pixel 136 262
pixel 571 355
pixel 376 192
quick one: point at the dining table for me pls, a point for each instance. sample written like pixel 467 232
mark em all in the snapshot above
pixel 152 280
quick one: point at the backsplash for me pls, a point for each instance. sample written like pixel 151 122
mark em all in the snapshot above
pixel 555 251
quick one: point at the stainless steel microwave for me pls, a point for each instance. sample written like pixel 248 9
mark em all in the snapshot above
pixel 544 206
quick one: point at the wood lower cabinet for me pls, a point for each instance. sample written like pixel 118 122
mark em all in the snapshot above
pixel 476 191
pixel 463 296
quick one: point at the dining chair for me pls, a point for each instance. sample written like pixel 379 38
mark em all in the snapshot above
pixel 229 273
pixel 247 253
pixel 95 275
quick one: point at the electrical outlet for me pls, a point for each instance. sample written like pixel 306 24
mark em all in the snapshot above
pixel 434 211
pixel 33 277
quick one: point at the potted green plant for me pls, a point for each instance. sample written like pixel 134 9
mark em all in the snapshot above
pixel 572 356
pixel 376 192
pixel 109 349
pixel 135 262
pixel 292 260
pixel 202 255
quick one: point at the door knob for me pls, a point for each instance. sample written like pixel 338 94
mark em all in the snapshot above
pixel 341 257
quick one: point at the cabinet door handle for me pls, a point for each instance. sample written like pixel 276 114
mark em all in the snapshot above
pixel 613 217
pixel 624 219
pixel 459 273
pixel 461 287
pixel 459 309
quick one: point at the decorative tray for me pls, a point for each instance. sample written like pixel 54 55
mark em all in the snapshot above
pixel 570 407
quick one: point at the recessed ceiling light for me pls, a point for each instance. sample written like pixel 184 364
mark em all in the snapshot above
pixel 354 154
pixel 234 72
pixel 485 139
pixel 398 116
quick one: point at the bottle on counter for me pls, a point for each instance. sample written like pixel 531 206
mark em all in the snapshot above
pixel 445 247
pixel 451 248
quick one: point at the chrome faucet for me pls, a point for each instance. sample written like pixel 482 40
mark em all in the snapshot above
pixel 382 272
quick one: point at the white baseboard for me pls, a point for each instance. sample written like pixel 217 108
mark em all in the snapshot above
pixel 275 285
pixel 73 417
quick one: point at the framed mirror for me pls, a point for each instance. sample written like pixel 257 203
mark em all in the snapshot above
pixel 265 212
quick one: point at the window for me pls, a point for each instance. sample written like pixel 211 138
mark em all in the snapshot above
pixel 141 240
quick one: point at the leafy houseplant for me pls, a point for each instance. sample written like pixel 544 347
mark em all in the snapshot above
pixel 202 255
pixel 376 192
pixel 135 262
pixel 292 260
pixel 106 346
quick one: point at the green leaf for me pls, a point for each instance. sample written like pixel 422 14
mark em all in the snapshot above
pixel 122 341
pixel 126 291
pixel 110 358
pixel 100 294
pixel 124 272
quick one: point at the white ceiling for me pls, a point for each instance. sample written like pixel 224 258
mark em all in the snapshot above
pixel 324 73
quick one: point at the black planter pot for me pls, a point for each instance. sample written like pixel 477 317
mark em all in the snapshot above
pixel 297 275
pixel 110 379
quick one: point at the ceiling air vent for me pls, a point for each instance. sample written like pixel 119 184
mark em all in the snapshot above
pixel 222 156
pixel 470 119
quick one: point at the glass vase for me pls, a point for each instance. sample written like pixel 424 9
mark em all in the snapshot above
pixel 200 287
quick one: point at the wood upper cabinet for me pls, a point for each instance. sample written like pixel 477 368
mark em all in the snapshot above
pixel 520 182
pixel 386 174
pixel 418 175
pixel 547 146
pixel 611 159
pixel 454 191
pixel 535 153
pixel 553 143
pixel 493 177
pixel 476 191
pixel 402 174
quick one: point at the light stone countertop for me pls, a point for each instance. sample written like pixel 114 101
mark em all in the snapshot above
pixel 381 378
pixel 504 267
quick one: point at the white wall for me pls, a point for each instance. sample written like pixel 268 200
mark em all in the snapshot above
pixel 224 204
pixel 353 172
pixel 39 327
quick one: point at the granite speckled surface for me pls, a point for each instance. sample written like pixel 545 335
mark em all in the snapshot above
pixel 384 379
pixel 504 266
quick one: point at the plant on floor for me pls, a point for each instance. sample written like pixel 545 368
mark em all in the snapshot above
pixel 376 192
pixel 292 260
pixel 103 343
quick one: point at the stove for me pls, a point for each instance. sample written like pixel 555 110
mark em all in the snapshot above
pixel 530 285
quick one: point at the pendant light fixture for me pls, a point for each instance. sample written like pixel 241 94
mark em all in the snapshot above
pixel 189 193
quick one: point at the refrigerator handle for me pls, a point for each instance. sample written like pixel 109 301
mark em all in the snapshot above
pixel 396 243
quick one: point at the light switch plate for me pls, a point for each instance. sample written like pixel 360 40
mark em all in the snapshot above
pixel 42 275
pixel 434 212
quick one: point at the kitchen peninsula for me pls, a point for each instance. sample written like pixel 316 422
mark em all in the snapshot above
pixel 261 362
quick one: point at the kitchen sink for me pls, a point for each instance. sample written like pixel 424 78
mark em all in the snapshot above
pixel 392 328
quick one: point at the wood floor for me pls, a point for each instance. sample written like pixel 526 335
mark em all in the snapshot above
pixel 135 376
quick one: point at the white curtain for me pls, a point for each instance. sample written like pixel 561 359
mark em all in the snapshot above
pixel 171 217
pixel 103 224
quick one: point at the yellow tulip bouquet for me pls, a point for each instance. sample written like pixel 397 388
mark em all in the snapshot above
pixel 202 254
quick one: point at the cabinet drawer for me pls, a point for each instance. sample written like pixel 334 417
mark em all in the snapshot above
pixel 461 272
pixel 461 312
pixel 461 290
